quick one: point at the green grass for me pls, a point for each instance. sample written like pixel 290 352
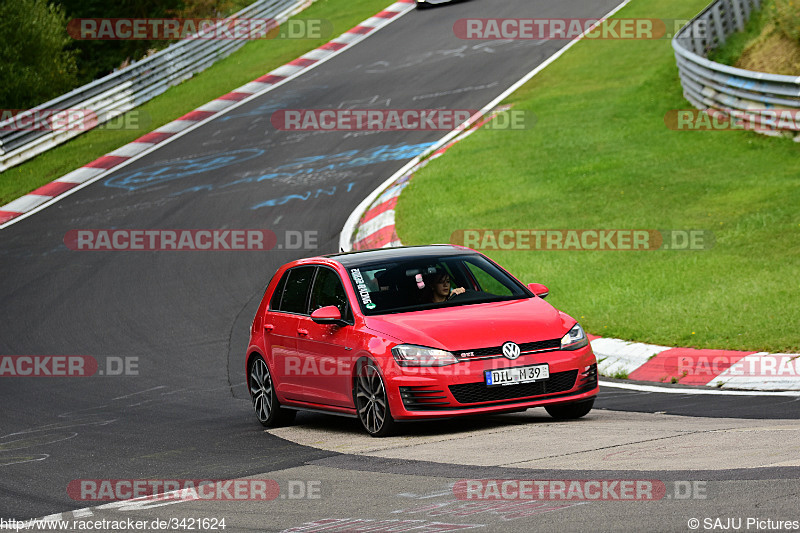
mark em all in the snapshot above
pixel 249 62
pixel 600 156
pixel 766 44
pixel 731 51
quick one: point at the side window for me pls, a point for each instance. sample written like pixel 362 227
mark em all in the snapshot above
pixel 328 290
pixel 295 290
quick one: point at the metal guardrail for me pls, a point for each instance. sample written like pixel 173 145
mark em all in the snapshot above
pixel 713 86
pixel 123 90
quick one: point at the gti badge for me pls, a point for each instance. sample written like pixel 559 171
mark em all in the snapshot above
pixel 511 350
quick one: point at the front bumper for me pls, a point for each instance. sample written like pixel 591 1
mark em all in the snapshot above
pixel 460 389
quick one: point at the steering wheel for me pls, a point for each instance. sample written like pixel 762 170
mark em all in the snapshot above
pixel 453 296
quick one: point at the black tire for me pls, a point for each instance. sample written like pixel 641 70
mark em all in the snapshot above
pixel 570 411
pixel 371 401
pixel 422 5
pixel 265 402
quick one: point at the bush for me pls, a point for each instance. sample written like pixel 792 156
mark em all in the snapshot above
pixel 35 64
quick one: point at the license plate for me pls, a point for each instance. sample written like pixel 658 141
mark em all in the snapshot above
pixel 516 375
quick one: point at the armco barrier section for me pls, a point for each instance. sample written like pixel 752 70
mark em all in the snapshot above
pixel 123 90
pixel 713 86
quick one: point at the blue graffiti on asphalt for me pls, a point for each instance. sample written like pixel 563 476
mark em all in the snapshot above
pixel 305 196
pixel 159 173
pixel 336 162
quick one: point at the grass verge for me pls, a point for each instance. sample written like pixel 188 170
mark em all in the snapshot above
pixel 600 156
pixel 254 59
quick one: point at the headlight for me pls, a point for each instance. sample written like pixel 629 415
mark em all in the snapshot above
pixel 574 339
pixel 410 355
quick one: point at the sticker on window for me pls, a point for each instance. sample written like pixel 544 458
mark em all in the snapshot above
pixel 362 288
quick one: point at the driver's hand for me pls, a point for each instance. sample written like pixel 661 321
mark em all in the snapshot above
pixel 458 290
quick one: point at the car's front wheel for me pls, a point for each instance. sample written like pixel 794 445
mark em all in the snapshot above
pixel 265 402
pixel 372 402
pixel 570 411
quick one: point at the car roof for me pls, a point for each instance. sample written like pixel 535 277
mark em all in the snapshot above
pixel 352 259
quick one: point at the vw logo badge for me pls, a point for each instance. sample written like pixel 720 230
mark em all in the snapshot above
pixel 511 350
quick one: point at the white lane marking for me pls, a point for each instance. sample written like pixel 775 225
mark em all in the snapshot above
pixel 717 392
pixel 349 228
pixel 140 392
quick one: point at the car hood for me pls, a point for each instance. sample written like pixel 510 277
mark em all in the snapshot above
pixel 475 326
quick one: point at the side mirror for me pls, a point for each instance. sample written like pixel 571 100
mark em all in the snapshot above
pixel 328 315
pixel 538 289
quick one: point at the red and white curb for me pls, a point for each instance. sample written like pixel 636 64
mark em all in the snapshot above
pixel 724 369
pixel 52 192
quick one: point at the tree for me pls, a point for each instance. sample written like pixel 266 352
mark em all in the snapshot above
pixel 36 64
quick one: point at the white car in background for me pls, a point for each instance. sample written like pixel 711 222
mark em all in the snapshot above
pixel 426 3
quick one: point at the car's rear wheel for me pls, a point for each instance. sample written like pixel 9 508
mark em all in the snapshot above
pixel 265 402
pixel 372 402
pixel 570 411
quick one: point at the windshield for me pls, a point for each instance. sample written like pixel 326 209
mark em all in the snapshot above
pixel 414 284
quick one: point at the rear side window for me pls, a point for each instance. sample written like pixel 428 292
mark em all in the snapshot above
pixel 275 302
pixel 294 293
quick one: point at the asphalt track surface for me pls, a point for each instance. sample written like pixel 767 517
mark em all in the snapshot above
pixel 183 317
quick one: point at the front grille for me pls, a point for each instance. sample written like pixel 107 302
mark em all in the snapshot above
pixel 423 398
pixel 479 392
pixel 550 344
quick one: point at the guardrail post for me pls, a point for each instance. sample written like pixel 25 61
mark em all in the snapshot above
pixel 719 31
pixel 737 13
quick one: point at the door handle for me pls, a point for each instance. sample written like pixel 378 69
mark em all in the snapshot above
pixel 269 327
pixel 303 332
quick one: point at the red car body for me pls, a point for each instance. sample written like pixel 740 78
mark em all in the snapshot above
pixel 316 357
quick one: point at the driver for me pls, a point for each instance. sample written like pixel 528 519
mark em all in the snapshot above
pixel 437 287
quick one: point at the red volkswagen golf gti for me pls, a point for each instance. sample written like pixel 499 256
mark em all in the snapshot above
pixel 413 333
